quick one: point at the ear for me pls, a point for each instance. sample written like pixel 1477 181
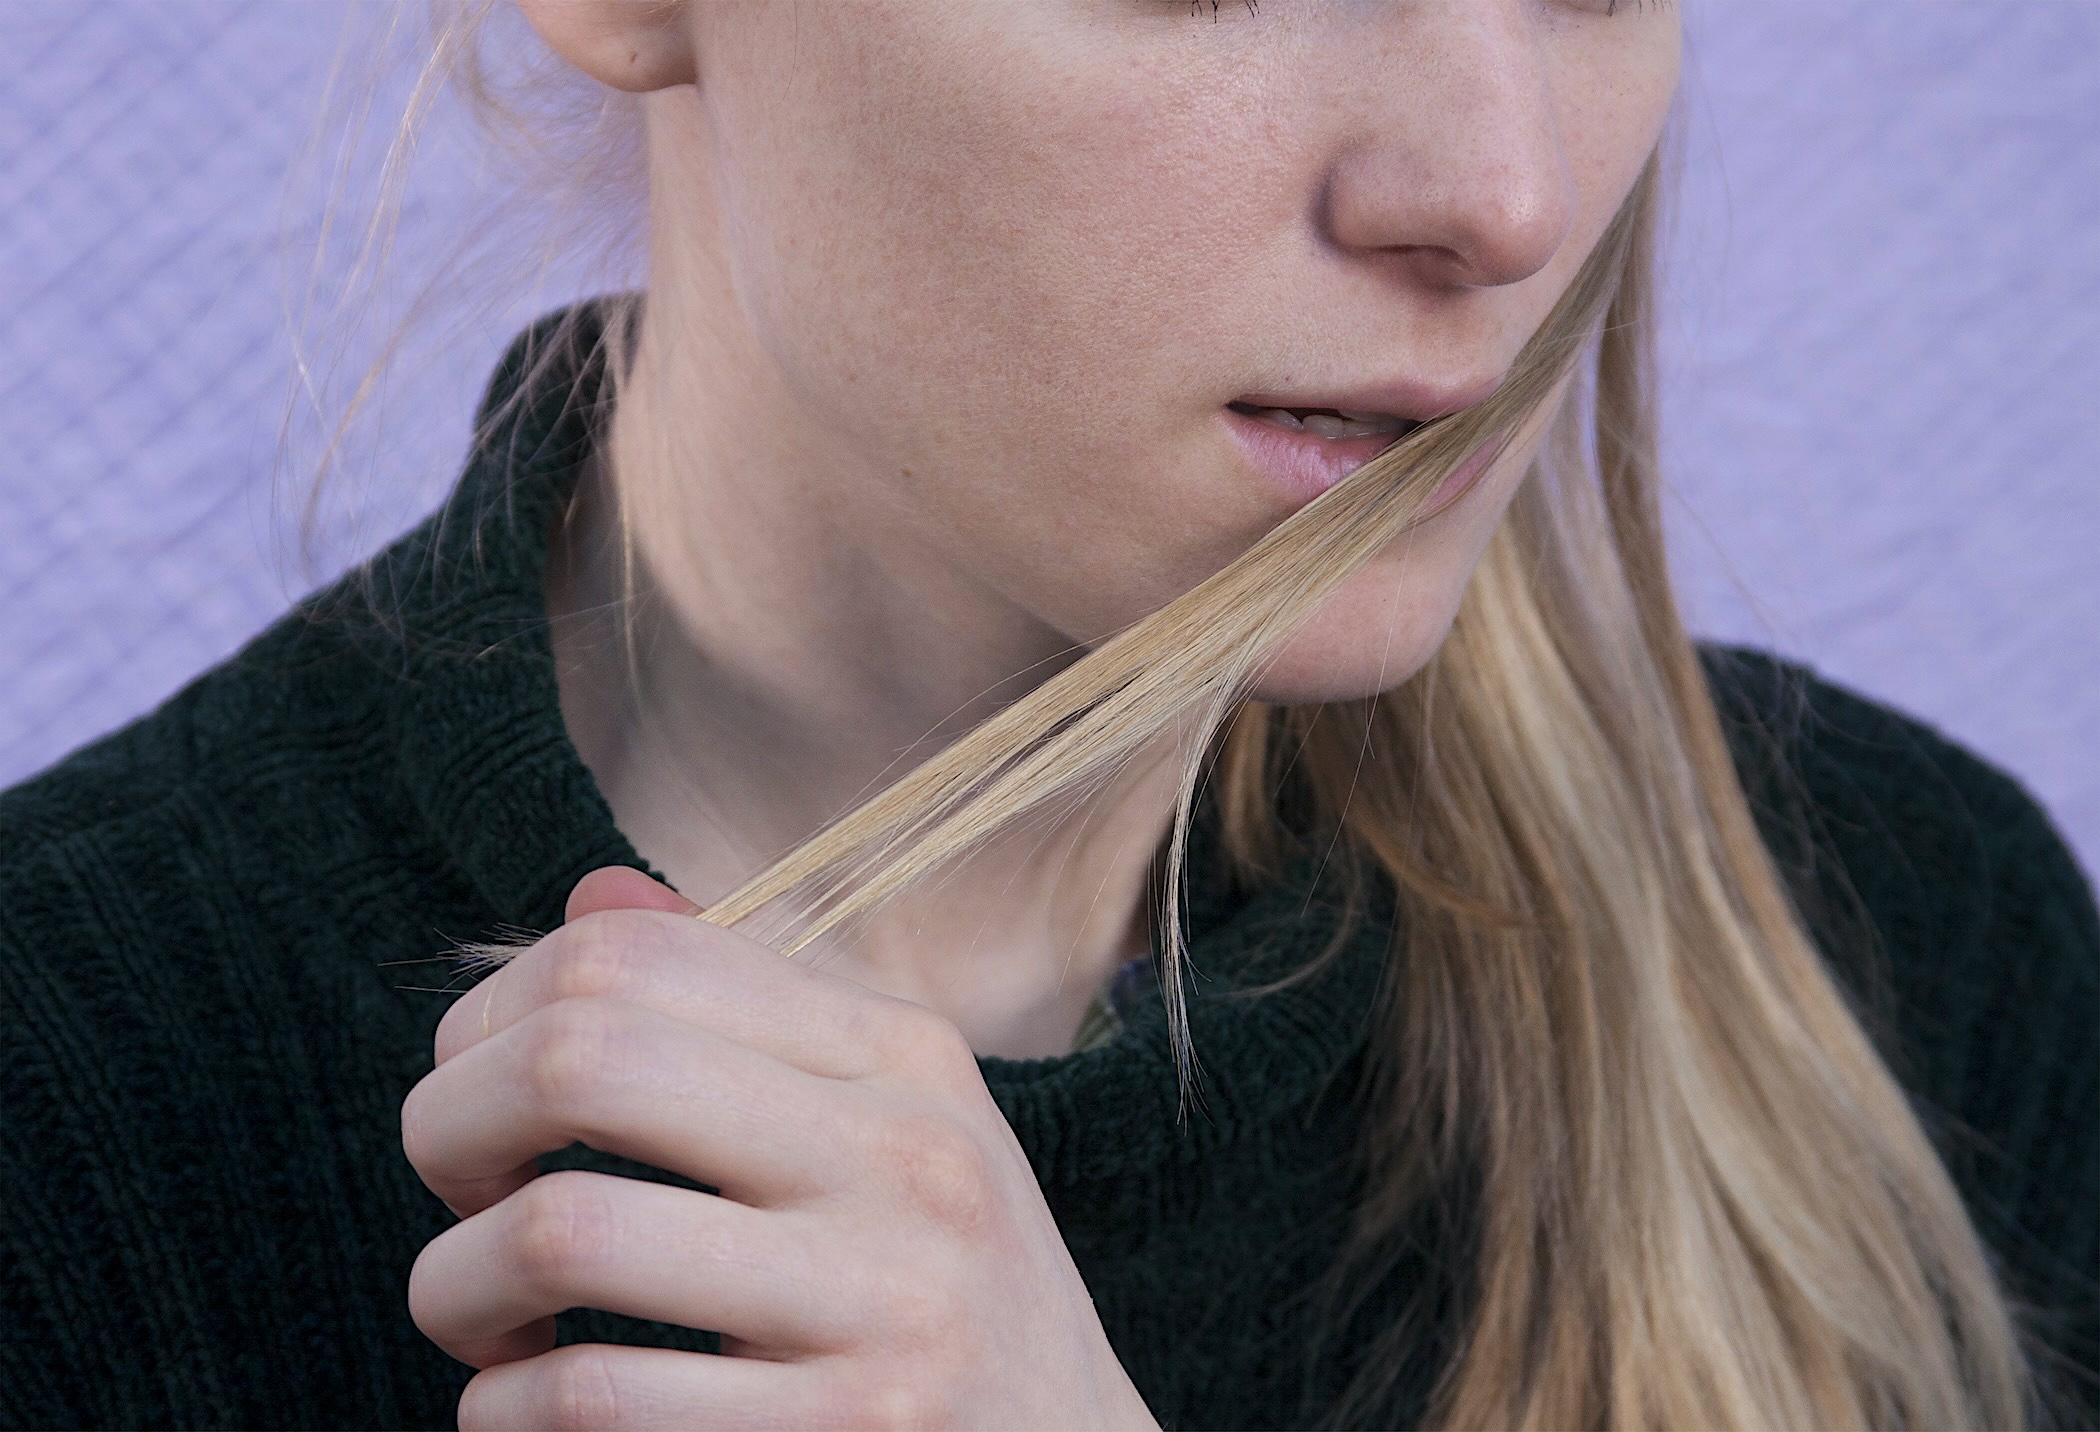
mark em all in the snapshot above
pixel 632 45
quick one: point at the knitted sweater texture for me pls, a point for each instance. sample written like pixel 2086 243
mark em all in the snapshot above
pixel 222 937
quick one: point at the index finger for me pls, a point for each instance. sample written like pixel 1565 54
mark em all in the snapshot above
pixel 704 974
pixel 610 887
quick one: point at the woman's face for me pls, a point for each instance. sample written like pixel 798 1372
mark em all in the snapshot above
pixel 1022 267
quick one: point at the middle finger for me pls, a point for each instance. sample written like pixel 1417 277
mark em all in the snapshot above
pixel 702 973
pixel 628 1081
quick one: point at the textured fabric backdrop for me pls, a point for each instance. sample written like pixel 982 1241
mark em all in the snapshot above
pixel 1881 355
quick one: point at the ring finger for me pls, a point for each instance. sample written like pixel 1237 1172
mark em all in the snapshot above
pixel 644 1250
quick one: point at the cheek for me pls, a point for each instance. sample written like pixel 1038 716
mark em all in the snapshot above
pixel 997 267
pixel 1002 285
pixel 992 230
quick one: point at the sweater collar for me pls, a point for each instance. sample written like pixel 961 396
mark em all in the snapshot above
pixel 456 611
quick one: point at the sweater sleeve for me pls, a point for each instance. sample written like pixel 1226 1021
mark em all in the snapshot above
pixel 1955 916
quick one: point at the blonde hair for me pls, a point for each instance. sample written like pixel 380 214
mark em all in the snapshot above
pixel 1697 1196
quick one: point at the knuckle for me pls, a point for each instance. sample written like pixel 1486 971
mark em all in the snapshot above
pixel 942 1171
pixel 562 1226
pixel 918 1041
pixel 582 1390
pixel 950 1062
pixel 603 954
pixel 576 1047
pixel 869 1025
pixel 888 1028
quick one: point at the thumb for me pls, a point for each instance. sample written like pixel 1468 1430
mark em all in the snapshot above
pixel 622 887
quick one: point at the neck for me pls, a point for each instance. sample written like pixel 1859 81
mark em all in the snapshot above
pixel 750 642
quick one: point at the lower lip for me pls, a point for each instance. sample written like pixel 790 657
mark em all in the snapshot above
pixel 1304 465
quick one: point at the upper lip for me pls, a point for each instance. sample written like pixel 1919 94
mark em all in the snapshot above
pixel 1402 398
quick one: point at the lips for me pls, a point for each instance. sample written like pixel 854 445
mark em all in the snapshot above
pixel 1305 442
pixel 1330 423
pixel 1300 462
pixel 1399 398
pixel 1297 457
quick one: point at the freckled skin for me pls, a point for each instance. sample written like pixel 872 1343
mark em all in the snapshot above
pixel 946 302
pixel 1006 261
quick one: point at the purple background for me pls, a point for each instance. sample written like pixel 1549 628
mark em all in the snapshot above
pixel 1882 324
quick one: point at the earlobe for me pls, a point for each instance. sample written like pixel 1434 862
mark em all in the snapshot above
pixel 632 45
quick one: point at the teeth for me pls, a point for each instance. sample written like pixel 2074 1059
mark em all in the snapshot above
pixel 1328 427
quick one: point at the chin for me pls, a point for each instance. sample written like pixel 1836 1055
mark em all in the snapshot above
pixel 1347 666
pixel 1353 649
pixel 1291 684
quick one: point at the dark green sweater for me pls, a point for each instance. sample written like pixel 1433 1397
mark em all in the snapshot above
pixel 220 932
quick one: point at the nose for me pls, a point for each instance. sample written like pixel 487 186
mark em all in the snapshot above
pixel 1452 162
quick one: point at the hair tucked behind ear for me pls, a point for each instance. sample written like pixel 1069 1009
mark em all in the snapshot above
pixel 1694 1194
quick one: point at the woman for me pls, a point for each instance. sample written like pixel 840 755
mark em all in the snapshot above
pixel 1094 489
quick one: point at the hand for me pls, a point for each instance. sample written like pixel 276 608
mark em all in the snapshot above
pixel 879 1255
